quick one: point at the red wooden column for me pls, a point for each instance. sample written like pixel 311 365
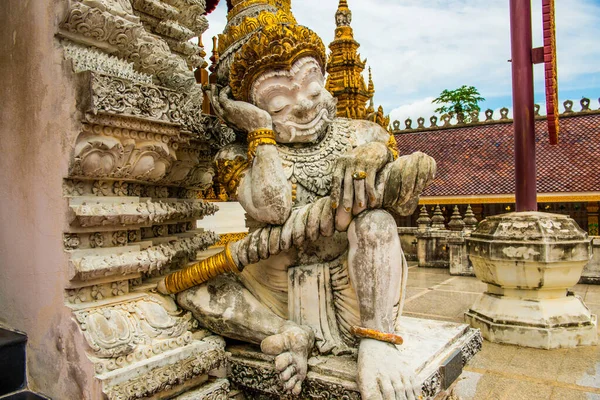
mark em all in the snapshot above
pixel 523 103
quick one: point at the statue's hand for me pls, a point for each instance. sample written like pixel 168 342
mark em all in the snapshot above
pixel 348 186
pixel 409 176
pixel 241 115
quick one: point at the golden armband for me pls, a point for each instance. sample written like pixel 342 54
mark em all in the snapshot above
pixel 257 138
pixel 365 333
pixel 201 272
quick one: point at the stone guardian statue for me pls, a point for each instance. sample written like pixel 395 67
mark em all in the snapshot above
pixel 322 270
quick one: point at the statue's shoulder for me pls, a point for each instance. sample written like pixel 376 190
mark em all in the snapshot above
pixel 363 131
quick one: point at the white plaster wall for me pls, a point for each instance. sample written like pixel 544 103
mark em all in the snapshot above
pixel 37 131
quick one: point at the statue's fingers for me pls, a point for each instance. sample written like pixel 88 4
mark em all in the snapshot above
pixel 370 188
pixel 409 179
pixel 214 100
pixel 348 196
pixel 253 247
pixel 336 184
pixel 387 389
pixel 399 389
pixel 409 391
pixel 314 215
pixel 342 220
pixel 394 183
pixel 285 241
pixel 224 100
pixel 299 230
pixel 327 227
pixel 360 201
pixel 274 240
pixel 243 251
pixel 263 244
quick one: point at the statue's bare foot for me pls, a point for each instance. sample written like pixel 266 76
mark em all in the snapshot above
pixel 382 374
pixel 291 348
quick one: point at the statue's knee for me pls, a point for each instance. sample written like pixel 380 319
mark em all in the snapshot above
pixel 375 223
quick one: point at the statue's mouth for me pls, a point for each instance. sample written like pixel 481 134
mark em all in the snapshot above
pixel 321 115
pixel 311 128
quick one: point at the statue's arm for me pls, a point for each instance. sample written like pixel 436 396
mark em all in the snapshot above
pixel 264 191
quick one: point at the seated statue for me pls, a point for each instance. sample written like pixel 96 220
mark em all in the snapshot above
pixel 322 269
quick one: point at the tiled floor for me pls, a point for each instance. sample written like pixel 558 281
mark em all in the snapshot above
pixel 504 371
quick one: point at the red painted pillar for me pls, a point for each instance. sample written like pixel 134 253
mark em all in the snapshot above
pixel 523 101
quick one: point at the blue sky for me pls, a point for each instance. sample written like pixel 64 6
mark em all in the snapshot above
pixel 419 48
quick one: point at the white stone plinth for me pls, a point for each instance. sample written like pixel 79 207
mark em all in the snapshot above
pixel 529 260
pixel 435 350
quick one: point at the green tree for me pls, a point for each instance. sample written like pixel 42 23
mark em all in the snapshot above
pixel 463 100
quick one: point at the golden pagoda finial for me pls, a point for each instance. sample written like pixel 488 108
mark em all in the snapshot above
pixel 371 88
pixel 345 67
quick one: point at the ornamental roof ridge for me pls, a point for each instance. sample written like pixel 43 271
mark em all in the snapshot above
pixel 447 121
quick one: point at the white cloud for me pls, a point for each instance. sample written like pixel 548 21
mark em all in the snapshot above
pixel 419 48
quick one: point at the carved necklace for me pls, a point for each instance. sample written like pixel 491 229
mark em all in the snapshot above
pixel 312 166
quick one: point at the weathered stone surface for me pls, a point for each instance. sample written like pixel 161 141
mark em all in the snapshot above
pixel 591 272
pixel 528 261
pixel 427 346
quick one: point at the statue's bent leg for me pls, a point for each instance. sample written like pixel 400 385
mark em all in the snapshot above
pixel 378 274
pixel 226 307
pixel 377 268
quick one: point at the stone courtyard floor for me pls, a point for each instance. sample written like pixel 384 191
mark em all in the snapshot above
pixel 505 371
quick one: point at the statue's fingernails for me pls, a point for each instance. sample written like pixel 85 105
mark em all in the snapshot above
pixel 334 205
pixel 347 209
pixel 360 204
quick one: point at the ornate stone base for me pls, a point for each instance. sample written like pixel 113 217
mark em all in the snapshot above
pixel 545 323
pixel 436 350
pixel 529 260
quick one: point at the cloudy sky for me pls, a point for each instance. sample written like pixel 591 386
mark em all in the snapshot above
pixel 419 48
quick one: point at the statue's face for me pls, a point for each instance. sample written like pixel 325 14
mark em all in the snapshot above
pixel 299 104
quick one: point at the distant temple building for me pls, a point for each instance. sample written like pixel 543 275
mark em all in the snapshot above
pixel 344 68
pixel 476 164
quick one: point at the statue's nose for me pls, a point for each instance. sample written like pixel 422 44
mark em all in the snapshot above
pixel 303 106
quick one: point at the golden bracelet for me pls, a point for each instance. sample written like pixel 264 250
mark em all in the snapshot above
pixel 377 335
pixel 257 138
pixel 201 272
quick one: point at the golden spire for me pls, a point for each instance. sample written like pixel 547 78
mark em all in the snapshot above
pixel 345 81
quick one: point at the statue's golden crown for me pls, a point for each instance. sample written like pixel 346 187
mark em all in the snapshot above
pixel 263 35
pixel 273 47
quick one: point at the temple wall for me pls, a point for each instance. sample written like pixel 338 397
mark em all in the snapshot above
pixel 37 124
pixel 105 154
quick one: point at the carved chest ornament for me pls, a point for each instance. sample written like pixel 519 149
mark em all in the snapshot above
pixel 312 166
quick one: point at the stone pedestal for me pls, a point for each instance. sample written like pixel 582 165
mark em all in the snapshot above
pixel 437 351
pixel 529 260
pixel 591 272
pixel 458 257
pixel 432 248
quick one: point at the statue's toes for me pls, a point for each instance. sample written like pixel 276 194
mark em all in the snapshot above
pixel 291 383
pixel 283 361
pixel 288 373
pixel 273 345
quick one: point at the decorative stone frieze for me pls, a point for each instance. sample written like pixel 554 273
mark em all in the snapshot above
pixel 217 390
pixel 88 212
pixel 154 258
